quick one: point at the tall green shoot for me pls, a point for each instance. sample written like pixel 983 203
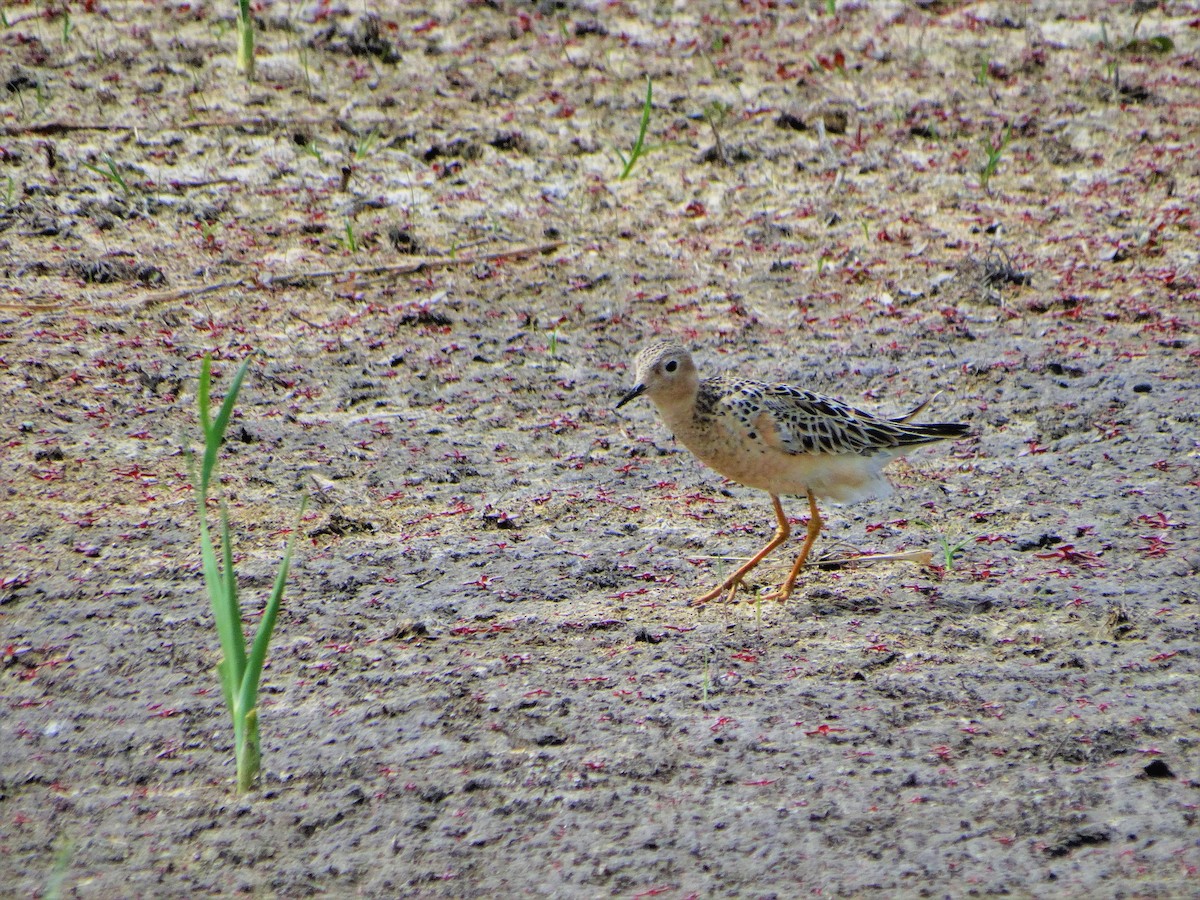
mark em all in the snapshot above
pixel 239 672
pixel 245 33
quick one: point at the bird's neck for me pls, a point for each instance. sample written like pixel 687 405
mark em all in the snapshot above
pixel 678 409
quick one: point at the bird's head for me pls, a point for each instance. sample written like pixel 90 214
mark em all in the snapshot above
pixel 665 372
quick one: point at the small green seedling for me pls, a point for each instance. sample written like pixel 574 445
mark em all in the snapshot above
pixel 351 240
pixel 366 143
pixel 111 173
pixel 239 672
pixel 311 149
pixel 994 149
pixel 951 550
pixel 639 145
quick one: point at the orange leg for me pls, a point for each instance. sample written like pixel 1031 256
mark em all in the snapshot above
pixel 734 581
pixel 814 528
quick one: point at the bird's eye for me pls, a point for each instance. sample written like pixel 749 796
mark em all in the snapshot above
pixel 671 366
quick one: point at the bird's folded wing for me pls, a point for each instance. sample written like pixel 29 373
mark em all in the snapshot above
pixel 797 421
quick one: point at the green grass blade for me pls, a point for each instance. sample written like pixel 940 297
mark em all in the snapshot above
pixel 214 581
pixel 214 430
pixel 225 676
pixel 202 394
pixel 111 174
pixel 233 643
pixel 225 612
pixel 646 107
pixel 258 651
pixel 212 576
pixel 641 138
pixel 219 576
pixel 222 420
pixel 249 752
pixel 208 556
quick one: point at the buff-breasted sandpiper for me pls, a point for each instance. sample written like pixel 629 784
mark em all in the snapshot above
pixel 778 438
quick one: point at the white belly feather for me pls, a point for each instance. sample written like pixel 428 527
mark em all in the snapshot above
pixel 840 477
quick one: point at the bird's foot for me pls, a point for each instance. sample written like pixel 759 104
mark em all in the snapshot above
pixel 729 588
pixel 781 595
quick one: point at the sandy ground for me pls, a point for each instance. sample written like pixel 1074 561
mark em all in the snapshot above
pixel 487 680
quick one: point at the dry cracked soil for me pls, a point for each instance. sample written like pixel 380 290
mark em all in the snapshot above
pixel 486 679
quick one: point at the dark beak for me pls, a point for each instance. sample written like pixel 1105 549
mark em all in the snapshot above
pixel 632 395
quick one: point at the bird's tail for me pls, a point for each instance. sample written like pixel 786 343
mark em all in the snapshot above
pixel 916 410
pixel 926 433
